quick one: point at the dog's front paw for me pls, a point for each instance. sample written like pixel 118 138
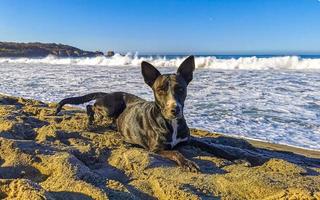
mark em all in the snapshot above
pixel 190 166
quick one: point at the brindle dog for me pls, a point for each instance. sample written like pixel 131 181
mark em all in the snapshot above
pixel 157 126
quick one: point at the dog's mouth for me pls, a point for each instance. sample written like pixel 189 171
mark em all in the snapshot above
pixel 171 116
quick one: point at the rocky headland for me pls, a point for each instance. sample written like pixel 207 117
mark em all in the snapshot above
pixel 43 156
pixel 37 49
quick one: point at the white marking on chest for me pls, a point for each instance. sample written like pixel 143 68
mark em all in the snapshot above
pixel 175 140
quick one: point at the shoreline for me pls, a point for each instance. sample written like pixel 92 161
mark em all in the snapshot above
pixel 55 157
pixel 253 141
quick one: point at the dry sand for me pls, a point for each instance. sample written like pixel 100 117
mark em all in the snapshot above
pixel 47 157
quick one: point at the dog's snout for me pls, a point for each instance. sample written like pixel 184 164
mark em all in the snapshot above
pixel 175 110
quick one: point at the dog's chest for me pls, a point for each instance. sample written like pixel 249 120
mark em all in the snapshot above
pixel 174 138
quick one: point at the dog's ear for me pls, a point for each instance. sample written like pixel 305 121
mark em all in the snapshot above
pixel 186 69
pixel 149 73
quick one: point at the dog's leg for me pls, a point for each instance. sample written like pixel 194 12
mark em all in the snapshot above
pixel 113 125
pixel 228 152
pixel 90 114
pixel 177 157
pixel 58 109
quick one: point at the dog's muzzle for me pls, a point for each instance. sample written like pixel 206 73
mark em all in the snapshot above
pixel 175 112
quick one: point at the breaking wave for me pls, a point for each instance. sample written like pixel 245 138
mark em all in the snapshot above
pixel 252 63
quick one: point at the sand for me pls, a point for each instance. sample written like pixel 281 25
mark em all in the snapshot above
pixel 56 157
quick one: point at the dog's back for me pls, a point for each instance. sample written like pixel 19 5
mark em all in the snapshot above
pixel 115 103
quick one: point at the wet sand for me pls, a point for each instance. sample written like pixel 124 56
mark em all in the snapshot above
pixel 56 157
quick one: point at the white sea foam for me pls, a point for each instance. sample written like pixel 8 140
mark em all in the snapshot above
pixel 252 63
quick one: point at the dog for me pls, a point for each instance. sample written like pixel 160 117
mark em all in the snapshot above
pixel 157 126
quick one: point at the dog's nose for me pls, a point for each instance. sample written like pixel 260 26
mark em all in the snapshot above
pixel 176 110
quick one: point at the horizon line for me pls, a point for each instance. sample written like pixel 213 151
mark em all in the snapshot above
pixel 199 53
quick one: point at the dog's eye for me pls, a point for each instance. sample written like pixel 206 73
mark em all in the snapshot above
pixel 161 90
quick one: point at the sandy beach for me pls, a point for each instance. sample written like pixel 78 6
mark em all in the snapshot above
pixel 55 157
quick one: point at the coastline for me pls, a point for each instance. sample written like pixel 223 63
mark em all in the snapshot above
pixel 38 50
pixel 55 157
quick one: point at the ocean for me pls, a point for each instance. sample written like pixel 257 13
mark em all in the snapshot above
pixel 266 97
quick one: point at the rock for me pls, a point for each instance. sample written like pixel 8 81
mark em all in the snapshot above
pixel 110 53
pixel 36 49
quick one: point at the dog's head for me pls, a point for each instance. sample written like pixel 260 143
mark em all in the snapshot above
pixel 170 90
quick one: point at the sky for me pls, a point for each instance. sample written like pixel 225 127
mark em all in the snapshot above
pixel 167 26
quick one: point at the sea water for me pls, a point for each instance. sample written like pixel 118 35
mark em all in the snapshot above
pixel 268 98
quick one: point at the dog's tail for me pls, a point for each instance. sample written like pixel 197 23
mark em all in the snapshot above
pixel 78 100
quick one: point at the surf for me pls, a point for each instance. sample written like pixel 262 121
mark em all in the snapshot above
pixel 211 62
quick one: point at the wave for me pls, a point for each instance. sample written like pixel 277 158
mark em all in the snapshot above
pixel 251 63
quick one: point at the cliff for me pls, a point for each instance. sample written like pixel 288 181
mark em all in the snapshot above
pixel 36 49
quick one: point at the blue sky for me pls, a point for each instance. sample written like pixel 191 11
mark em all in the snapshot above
pixel 149 26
